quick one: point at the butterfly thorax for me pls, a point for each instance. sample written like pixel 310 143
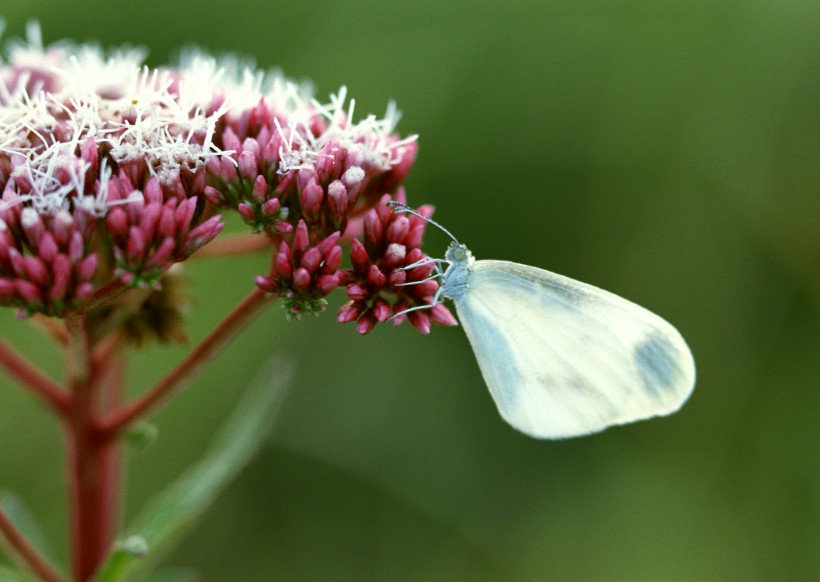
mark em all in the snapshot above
pixel 454 282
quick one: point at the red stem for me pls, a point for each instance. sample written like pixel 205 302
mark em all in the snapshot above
pixel 191 366
pixel 26 551
pixel 93 460
pixel 33 379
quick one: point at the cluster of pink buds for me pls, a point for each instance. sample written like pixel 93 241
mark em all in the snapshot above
pixel 45 264
pixel 303 275
pixel 150 231
pixel 113 172
pixel 288 161
pixel 381 270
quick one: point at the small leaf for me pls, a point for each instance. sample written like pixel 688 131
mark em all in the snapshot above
pixel 163 521
pixel 141 435
pixel 122 558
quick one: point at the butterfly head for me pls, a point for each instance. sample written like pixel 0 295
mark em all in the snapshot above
pixel 458 253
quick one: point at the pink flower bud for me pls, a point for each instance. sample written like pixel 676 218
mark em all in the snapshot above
pixel 327 283
pixel 300 239
pixel 32 225
pixel 394 256
pixel 358 292
pixel 248 166
pixel 18 262
pixel 375 278
pixel 397 277
pixel 87 267
pixel 150 218
pixel 76 247
pixel 62 279
pixel 350 311
pixel 271 207
pixel 398 316
pixel 311 260
pixel 282 265
pixel 167 224
pixel 153 191
pixel 337 201
pixel 245 210
pixel 266 284
pixel 332 260
pixel 62 227
pixel 301 279
pixel 250 146
pixel 162 256
pixel 358 257
pixel 398 229
pixel 37 272
pixel 47 248
pixel 283 227
pixel 202 235
pixel 329 242
pixel 310 199
pixel 420 320
pixel 366 323
pixel 184 213
pixel 28 292
pixel 7 288
pixel 372 229
pixel 426 289
pixel 214 196
pixel 83 291
pixel 135 246
pixel 440 315
pixel 117 222
pixel 231 141
pixel 227 170
pixel 270 154
pixel 260 188
pixel 381 310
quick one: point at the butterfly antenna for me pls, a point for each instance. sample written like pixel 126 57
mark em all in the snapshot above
pixel 399 207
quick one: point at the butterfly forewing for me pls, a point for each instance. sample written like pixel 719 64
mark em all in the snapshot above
pixel 563 358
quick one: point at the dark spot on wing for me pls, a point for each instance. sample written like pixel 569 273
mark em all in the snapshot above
pixel 657 360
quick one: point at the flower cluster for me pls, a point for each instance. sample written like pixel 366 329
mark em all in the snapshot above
pixel 382 269
pixel 111 171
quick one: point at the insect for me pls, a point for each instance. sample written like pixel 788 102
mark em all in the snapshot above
pixel 561 358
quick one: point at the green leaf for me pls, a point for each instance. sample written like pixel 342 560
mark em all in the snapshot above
pixel 9 574
pixel 165 519
pixel 176 575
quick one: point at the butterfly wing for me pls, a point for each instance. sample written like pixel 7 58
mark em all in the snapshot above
pixel 562 358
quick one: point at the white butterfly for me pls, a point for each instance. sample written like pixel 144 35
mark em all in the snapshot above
pixel 562 358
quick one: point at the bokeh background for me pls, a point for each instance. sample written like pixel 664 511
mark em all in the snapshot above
pixel 667 151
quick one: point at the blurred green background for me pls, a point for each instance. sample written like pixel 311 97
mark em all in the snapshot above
pixel 667 151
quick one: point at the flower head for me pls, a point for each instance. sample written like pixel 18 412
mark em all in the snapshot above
pixel 381 272
pixel 112 170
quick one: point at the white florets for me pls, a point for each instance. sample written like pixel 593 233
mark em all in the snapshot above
pixel 53 99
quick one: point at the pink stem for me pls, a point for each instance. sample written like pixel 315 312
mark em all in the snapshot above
pixel 191 366
pixel 26 551
pixel 33 379
pixel 90 473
